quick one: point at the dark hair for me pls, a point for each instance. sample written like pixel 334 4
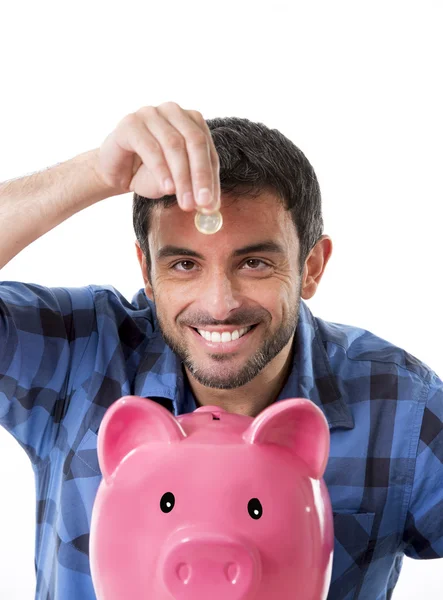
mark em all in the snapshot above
pixel 254 158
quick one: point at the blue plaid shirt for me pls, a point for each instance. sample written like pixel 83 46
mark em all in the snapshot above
pixel 67 354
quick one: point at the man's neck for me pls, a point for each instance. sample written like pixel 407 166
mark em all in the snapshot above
pixel 253 397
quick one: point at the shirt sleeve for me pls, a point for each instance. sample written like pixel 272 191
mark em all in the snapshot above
pixel 43 335
pixel 423 535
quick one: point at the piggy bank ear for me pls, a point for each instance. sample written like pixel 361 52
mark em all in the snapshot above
pixel 131 422
pixel 299 426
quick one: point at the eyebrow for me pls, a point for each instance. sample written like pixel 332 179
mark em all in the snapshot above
pixel 267 246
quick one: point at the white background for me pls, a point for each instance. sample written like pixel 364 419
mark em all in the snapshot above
pixel 357 85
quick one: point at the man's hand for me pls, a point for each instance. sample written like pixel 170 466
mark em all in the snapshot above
pixel 162 150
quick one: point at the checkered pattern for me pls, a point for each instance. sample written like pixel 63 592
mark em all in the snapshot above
pixel 67 354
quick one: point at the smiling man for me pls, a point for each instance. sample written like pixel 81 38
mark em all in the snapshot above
pixel 221 320
pixel 228 306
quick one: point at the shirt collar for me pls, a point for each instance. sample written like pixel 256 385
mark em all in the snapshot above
pixel 312 376
pixel 160 373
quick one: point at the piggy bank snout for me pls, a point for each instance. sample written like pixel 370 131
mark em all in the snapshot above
pixel 213 566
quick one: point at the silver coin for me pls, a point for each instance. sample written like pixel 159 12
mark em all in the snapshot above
pixel 208 223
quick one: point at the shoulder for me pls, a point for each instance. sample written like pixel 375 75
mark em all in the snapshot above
pixel 356 345
pixel 24 301
pixel 108 296
pixel 132 321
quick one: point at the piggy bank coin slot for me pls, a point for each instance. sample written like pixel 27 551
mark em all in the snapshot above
pixel 216 416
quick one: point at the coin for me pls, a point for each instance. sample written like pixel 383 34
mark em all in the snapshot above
pixel 208 223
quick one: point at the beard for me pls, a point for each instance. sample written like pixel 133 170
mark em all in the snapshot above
pixel 225 373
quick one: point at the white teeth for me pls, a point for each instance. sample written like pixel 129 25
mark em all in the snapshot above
pixel 225 336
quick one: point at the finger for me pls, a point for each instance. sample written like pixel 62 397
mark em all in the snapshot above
pixel 197 143
pixel 198 118
pixel 132 135
pixel 175 151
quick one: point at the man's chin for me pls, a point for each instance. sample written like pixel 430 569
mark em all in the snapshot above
pixel 218 383
pixel 221 376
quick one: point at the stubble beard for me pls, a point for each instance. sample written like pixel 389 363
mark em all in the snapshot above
pixel 234 377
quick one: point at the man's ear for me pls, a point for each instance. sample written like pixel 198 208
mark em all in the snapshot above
pixel 315 266
pixel 144 268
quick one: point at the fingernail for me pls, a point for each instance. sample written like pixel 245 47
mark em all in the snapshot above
pixel 204 197
pixel 210 208
pixel 217 204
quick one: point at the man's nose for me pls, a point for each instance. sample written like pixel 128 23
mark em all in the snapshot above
pixel 219 296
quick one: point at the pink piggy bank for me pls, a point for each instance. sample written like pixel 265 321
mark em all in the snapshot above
pixel 212 505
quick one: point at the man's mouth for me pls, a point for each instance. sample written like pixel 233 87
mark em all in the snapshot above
pixel 223 335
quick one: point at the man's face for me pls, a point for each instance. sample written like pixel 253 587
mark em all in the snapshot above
pixel 241 286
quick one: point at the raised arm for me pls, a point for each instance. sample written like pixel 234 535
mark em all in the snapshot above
pixel 154 151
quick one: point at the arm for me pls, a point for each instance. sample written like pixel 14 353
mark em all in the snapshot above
pixel 33 205
pixel 423 535
pixel 43 332
pixel 147 148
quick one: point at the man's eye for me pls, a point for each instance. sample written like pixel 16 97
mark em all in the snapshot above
pixel 254 263
pixel 186 265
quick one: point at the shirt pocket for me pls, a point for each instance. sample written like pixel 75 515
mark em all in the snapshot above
pixel 352 533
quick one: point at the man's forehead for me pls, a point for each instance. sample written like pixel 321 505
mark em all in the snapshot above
pixel 246 221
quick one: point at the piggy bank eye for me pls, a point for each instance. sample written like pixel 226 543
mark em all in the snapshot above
pixel 167 502
pixel 255 509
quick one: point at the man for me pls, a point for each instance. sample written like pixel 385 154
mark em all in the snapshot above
pixel 238 334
